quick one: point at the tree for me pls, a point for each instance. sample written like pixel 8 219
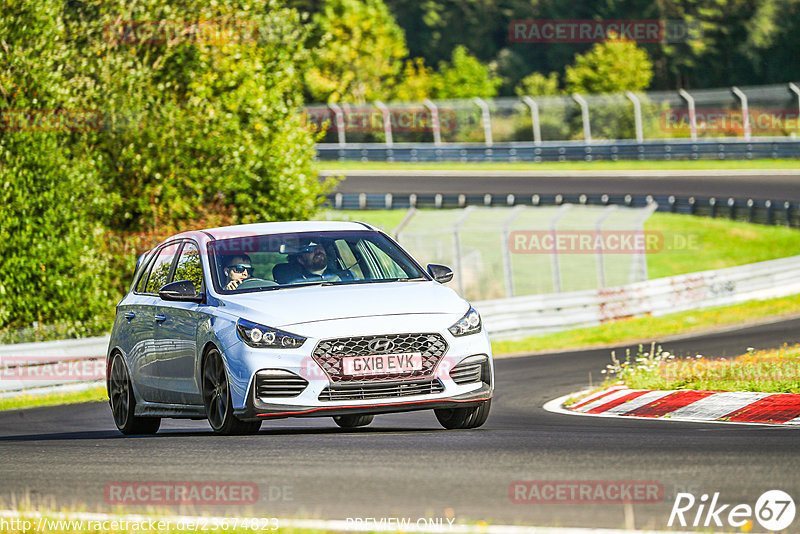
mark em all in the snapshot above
pixel 212 131
pixel 358 52
pixel 52 268
pixel 465 77
pixel 610 67
pixel 416 83
pixel 772 45
pixel 181 115
pixel 537 84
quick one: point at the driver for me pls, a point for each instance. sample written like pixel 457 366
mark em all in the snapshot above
pixel 238 269
pixel 313 262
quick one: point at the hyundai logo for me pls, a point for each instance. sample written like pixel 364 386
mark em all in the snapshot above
pixel 381 344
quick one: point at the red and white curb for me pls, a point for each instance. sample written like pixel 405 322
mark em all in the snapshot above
pixel 685 405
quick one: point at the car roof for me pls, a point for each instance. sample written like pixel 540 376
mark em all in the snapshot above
pixel 225 232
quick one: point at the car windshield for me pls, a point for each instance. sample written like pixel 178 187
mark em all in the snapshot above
pixel 275 261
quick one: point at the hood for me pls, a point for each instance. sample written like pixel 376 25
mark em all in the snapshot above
pixel 286 307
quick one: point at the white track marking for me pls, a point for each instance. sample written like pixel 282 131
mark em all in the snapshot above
pixel 647 398
pixel 718 405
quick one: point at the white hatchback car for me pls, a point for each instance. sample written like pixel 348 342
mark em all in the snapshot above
pixel 298 319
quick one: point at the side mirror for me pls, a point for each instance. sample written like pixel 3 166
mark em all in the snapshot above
pixel 182 291
pixel 440 273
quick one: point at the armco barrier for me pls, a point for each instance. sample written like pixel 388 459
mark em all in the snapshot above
pixel 673 149
pixel 521 316
pixel 25 366
pixel 770 212
pixel 503 318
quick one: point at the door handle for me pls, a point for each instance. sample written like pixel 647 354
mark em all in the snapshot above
pixel 129 315
pixel 160 318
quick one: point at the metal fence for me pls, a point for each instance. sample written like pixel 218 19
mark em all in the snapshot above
pixel 736 112
pixel 506 252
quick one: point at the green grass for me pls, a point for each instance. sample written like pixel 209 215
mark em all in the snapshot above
pixel 54 399
pixel 769 371
pixel 720 243
pixel 565 166
pixel 646 328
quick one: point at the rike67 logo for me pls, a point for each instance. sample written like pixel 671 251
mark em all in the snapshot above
pixel 774 510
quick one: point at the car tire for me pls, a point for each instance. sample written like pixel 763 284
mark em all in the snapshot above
pixel 460 418
pixel 353 421
pixel 123 402
pixel 217 399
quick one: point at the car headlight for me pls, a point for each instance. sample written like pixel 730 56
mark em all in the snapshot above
pixel 264 337
pixel 469 324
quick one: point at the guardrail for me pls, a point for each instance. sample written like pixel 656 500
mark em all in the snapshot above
pixel 714 149
pixel 34 366
pixel 522 316
pixel 769 212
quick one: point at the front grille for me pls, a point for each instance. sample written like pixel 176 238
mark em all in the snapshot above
pixel 466 374
pixel 329 353
pixel 382 390
pixel 279 385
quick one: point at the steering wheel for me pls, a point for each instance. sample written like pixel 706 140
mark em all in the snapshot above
pixel 252 283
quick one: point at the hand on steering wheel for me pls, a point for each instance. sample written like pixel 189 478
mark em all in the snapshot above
pixel 233 284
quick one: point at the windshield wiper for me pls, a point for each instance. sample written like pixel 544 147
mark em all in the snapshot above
pixel 325 283
pixel 304 284
pixel 376 280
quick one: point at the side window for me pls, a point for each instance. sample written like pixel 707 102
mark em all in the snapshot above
pixel 159 275
pixel 348 258
pixel 389 268
pixel 189 267
pixel 142 283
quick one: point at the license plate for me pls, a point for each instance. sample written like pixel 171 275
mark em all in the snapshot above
pixel 382 364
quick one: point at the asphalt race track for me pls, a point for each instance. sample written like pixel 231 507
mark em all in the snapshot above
pixel 407 466
pixel 778 185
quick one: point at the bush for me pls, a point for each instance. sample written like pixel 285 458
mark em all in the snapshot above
pixel 194 122
pixel 52 269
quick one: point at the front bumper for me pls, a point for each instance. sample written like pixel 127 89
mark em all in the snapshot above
pixel 255 410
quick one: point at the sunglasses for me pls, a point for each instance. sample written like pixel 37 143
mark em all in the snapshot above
pixel 240 268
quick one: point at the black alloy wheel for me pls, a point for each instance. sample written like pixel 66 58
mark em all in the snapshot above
pixel 123 402
pixel 217 399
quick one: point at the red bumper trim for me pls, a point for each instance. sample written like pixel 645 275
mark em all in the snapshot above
pixel 369 406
